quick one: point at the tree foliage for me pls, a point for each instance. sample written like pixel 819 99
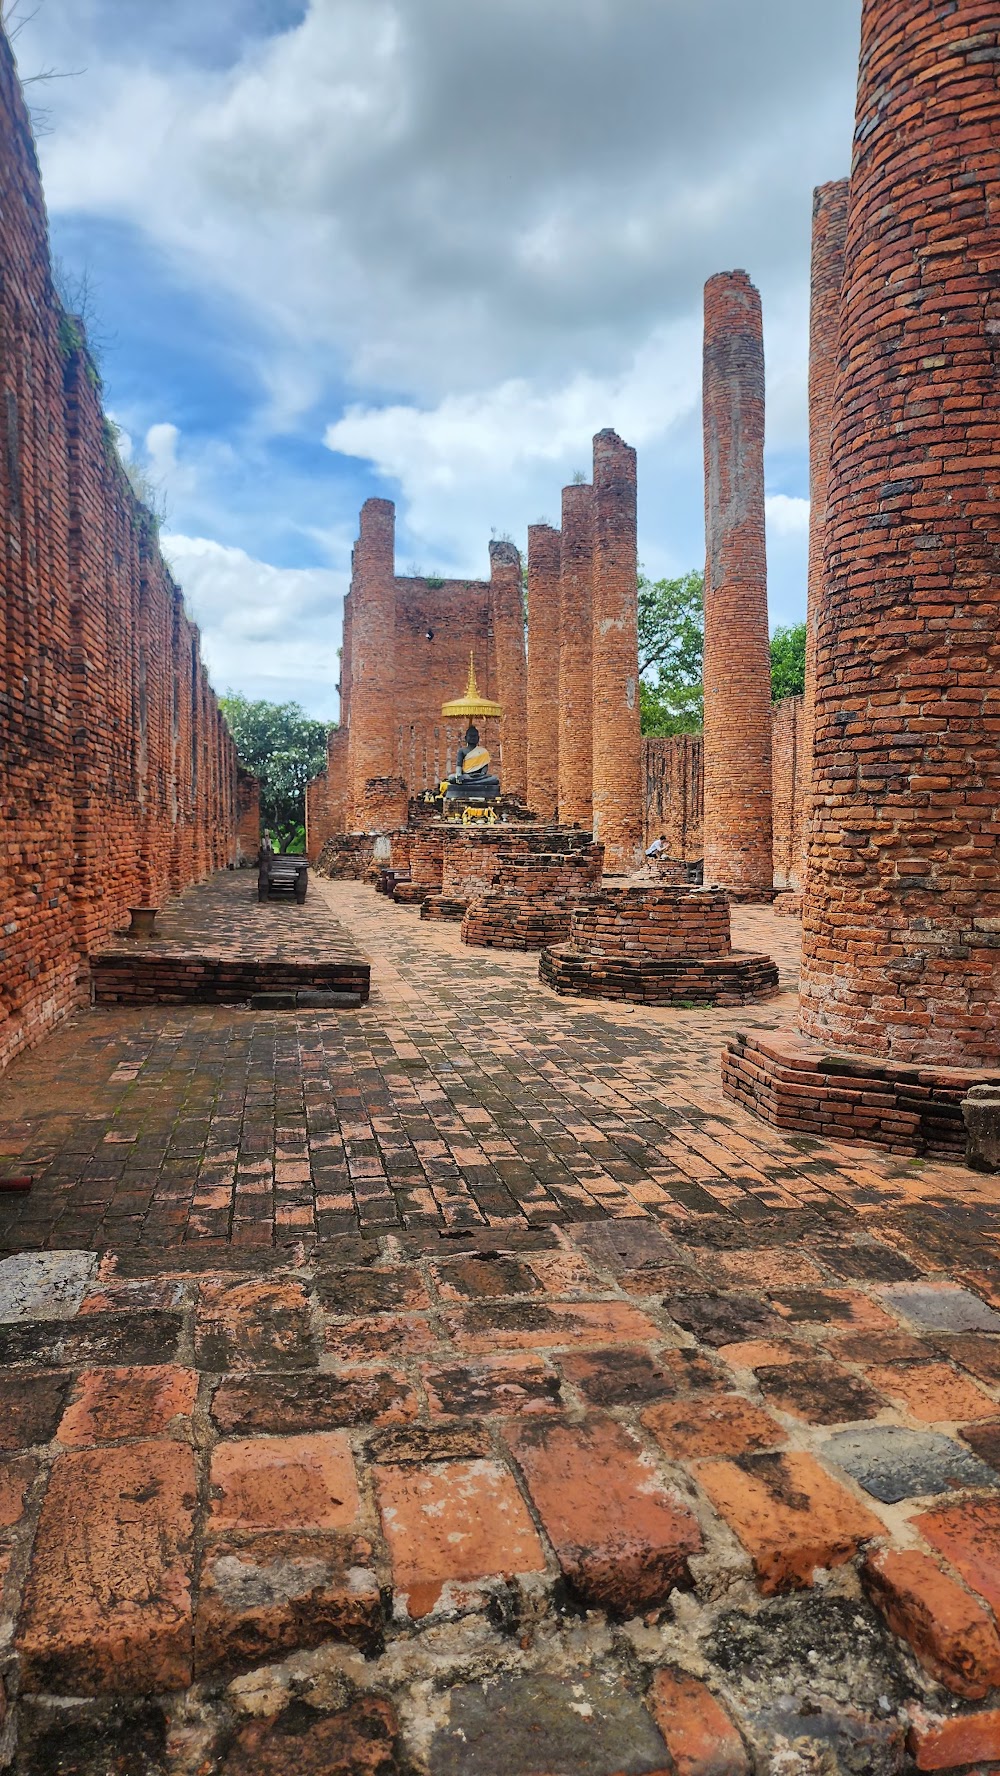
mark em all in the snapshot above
pixel 284 748
pixel 671 648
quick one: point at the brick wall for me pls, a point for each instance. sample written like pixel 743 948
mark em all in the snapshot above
pixel 902 915
pixel 117 775
pixel 789 789
pixel 247 816
pixel 737 672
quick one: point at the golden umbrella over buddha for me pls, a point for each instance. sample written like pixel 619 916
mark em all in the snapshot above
pixel 472 781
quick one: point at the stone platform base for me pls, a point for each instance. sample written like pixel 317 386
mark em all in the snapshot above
pixel 516 922
pixel 441 906
pixel 411 893
pixel 144 978
pixel 796 1084
pixel 737 979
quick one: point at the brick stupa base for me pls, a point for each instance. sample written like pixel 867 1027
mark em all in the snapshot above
pixel 656 946
pixel 796 1083
pixel 517 921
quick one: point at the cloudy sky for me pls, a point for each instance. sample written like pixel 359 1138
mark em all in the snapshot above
pixel 425 249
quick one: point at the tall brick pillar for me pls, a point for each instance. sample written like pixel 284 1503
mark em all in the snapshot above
pixel 902 917
pixel 576 648
pixel 543 670
pixel 737 670
pixel 507 610
pixel 828 241
pixel 617 739
pixel 373 634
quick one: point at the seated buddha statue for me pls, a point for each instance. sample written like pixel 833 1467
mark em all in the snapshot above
pixel 473 777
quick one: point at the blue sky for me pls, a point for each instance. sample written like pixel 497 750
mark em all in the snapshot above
pixel 425 249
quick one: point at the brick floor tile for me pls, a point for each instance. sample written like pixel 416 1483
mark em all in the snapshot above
pixel 381 1336
pixel 941 1307
pixel 938 1743
pixel 528 1325
pixel 111 1404
pixel 260 1324
pixel 450 1529
pixel 510 1385
pixel 31 1406
pixel 763 1353
pixel 626 1376
pixel 968 1535
pixel 790 1516
pixel 469 1279
pixel 935 1393
pixel 288 1403
pixel 355 1293
pixel 108 1599
pixel 847 1307
pixel 146 1337
pixel 284 1483
pixel 699 1735
pixel 892 1462
pixel 976 1352
pixel 764 1270
pixel 359 1740
pixel 717 1426
pixel 274 1594
pixel 954 1636
pixel 16 1475
pixel 719 1318
pixel 818 1392
pixel 984 1438
pixel 540 1724
pixel 621 1538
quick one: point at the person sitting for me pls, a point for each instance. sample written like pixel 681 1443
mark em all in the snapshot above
pixel 473 777
pixel 657 847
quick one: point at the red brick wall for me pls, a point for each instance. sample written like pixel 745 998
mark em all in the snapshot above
pixel 617 740
pixel 828 241
pixel 437 629
pixel 117 778
pixel 672 771
pixel 737 668
pixel 576 678
pixel 247 816
pixel 543 670
pixel 902 914
pixel 790 789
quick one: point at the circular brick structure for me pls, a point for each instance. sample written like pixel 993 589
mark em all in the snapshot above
pixel 535 897
pixel 426 852
pixel 656 946
pixel 478 859
pixel 737 669
pixel 902 914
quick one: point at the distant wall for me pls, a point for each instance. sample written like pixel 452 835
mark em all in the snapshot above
pixel 117 772
pixel 788 764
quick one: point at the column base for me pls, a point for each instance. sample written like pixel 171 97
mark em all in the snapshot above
pixel 517 921
pixel 441 907
pixel 737 979
pixel 412 893
pixel 795 1083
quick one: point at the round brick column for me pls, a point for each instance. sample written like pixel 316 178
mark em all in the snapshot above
pixel 828 242
pixel 507 611
pixel 576 684
pixel 543 670
pixel 902 916
pixel 373 635
pixel 737 671
pixel 617 740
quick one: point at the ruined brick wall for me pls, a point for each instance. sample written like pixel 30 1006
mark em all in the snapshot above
pixel 674 790
pixel 117 776
pixel 544 548
pixel 790 789
pixel 737 668
pixel 656 922
pixel 829 236
pixel 438 628
pixel 902 912
pixel 247 816
pixel 617 739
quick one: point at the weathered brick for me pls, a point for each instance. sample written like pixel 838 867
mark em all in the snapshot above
pixel 450 1529
pixel 718 1426
pixel 952 1634
pixel 284 1483
pixel 699 1734
pixel 267 1596
pixel 110 1404
pixel 968 1534
pixel 940 1743
pixel 790 1516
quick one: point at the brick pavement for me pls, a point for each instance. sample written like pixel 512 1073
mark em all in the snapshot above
pixel 609 1427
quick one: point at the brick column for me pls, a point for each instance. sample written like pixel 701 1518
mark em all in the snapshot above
pixel 737 671
pixel 373 633
pixel 576 643
pixel 543 670
pixel 902 919
pixel 828 240
pixel 507 610
pixel 617 740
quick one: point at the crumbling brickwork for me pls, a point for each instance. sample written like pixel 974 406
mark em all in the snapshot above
pixel 617 743
pixel 790 789
pixel 902 917
pixel 829 237
pixel 576 641
pixel 248 833
pixel 117 774
pixel 737 669
pixel 544 550
pixel 674 802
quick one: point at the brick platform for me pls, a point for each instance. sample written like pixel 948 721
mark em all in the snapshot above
pixel 797 1084
pixel 218 945
pixel 656 946
pixel 511 921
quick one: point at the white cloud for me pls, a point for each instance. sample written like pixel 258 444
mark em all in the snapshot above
pixel 787 516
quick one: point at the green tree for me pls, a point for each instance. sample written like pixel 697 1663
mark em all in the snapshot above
pixel 788 661
pixel 284 748
pixel 671 643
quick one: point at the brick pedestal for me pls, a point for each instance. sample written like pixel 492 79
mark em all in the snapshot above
pixel 426 853
pixel 737 671
pixel 534 899
pixel 656 946
pixel 479 859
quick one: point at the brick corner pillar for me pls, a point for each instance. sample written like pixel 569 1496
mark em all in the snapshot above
pixel 543 669
pixel 576 650
pixel 829 234
pixel 737 670
pixel 373 647
pixel 617 735
pixel 902 910
pixel 507 610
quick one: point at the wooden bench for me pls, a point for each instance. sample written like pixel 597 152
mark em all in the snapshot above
pixel 282 874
